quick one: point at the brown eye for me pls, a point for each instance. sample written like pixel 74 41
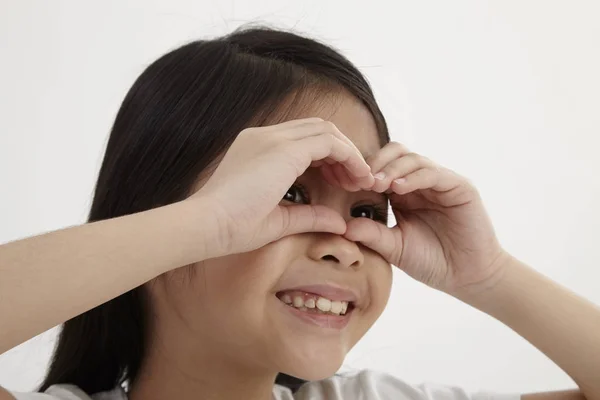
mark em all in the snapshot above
pixel 374 212
pixel 363 212
pixel 296 194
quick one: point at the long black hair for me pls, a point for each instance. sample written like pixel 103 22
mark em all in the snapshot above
pixel 183 111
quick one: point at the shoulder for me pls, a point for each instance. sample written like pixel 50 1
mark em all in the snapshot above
pixel 68 392
pixel 368 384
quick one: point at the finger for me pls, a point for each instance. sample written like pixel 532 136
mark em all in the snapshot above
pixel 344 179
pixel 378 237
pixel 329 176
pixel 398 168
pixel 302 131
pixel 319 163
pixel 385 155
pixel 296 219
pixel 437 179
pixel 331 127
pixel 292 123
pixel 322 162
pixel 327 145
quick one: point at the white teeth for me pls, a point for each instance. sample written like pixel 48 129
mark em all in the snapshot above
pixel 298 302
pixel 324 304
pixel 321 304
pixel 336 307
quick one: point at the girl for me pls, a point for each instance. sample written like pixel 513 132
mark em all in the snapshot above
pixel 238 233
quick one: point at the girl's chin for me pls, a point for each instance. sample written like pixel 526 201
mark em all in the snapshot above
pixel 314 368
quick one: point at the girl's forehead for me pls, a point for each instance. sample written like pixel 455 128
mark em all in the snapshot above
pixel 352 118
pixel 356 122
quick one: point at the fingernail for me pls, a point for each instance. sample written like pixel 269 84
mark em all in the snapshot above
pixel 380 176
pixel 400 180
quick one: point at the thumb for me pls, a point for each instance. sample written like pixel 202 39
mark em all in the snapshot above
pixel 305 218
pixel 378 237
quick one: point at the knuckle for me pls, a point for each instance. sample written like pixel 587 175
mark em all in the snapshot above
pixel 417 160
pixel 248 131
pixel 428 162
pixel 285 222
pixel 298 160
pixel 328 126
pixel 329 138
pixel 315 220
pixel 399 147
pixel 471 185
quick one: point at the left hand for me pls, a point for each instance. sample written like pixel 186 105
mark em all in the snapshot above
pixel 443 237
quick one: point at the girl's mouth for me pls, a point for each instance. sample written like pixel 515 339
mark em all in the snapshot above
pixel 315 304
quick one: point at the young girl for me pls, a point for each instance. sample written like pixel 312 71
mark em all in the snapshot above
pixel 238 233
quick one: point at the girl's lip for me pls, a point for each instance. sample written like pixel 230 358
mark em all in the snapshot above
pixel 336 322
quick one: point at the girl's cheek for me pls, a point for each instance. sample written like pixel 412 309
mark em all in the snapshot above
pixel 264 266
pixel 382 284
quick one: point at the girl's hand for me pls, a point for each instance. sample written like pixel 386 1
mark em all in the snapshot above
pixel 259 168
pixel 443 237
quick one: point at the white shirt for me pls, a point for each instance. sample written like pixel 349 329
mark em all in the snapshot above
pixel 363 385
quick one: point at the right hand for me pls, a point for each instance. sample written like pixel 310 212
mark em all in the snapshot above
pixel 258 169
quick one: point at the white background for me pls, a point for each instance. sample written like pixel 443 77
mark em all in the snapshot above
pixel 505 92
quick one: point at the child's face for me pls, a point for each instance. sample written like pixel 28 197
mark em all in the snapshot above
pixel 231 308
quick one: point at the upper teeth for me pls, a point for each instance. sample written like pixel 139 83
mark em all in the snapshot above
pixel 321 303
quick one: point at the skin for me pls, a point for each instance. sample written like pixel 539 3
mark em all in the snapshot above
pixel 222 315
pixel 443 238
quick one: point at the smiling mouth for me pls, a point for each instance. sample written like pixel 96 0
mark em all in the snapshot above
pixel 315 304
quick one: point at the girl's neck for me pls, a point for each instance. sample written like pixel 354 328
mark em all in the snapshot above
pixel 165 375
pixel 233 388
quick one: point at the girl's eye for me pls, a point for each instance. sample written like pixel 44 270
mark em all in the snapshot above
pixel 363 212
pixel 374 212
pixel 296 194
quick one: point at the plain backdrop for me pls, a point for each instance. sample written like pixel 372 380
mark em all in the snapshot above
pixel 505 92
